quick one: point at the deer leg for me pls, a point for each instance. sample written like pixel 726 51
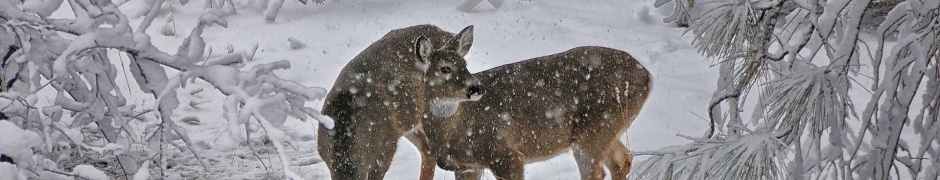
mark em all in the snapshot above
pixel 589 162
pixel 428 162
pixel 469 174
pixel 508 165
pixel 619 160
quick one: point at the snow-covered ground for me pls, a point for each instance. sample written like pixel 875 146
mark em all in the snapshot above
pixel 519 30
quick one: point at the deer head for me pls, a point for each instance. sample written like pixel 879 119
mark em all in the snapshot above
pixel 445 69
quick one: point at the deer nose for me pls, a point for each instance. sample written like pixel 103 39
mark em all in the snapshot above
pixel 475 90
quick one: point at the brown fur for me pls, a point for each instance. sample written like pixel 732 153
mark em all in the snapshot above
pixel 583 99
pixel 383 93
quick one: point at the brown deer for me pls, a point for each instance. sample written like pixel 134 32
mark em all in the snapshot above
pixel 583 99
pixel 385 91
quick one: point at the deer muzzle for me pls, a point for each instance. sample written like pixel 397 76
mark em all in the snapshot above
pixel 476 92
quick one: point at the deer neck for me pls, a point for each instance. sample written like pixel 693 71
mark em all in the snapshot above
pixel 439 132
pixel 440 129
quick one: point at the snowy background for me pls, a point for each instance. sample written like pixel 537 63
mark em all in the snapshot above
pixel 338 30
pixel 831 89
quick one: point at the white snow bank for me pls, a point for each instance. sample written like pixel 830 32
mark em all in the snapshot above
pixel 16 142
pixel 8 171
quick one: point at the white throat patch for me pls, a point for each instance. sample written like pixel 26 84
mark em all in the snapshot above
pixel 444 108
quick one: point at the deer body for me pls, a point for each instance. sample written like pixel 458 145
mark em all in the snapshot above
pixel 582 99
pixel 383 93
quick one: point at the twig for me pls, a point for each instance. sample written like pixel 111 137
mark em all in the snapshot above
pixel 252 149
pixel 271 130
pixel 711 112
pixel 189 144
pixel 62 173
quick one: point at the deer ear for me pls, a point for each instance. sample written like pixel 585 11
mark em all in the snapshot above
pixel 423 49
pixel 462 42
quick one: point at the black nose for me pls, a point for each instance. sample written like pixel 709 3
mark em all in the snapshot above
pixel 475 90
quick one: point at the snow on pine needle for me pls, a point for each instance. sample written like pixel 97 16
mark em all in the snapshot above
pixel 811 54
pixel 755 156
pixel 723 31
pixel 813 98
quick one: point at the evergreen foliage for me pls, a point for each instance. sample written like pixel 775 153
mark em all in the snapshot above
pixel 809 63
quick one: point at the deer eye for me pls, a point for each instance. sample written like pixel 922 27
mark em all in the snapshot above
pixel 445 70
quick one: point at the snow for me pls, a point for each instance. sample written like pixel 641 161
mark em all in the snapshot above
pixel 17 143
pixel 333 33
pixel 143 173
pixel 9 171
pixel 44 8
pixel 296 44
pixel 89 172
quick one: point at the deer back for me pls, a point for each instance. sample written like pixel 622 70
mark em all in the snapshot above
pixel 542 106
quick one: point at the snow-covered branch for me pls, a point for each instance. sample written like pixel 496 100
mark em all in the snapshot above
pixel 757 156
pixel 77 66
pixel 808 58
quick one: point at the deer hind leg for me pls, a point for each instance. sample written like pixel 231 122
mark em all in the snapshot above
pixel 619 160
pixel 469 175
pixel 590 162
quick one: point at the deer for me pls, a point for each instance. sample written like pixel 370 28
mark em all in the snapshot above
pixel 385 91
pixel 582 99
